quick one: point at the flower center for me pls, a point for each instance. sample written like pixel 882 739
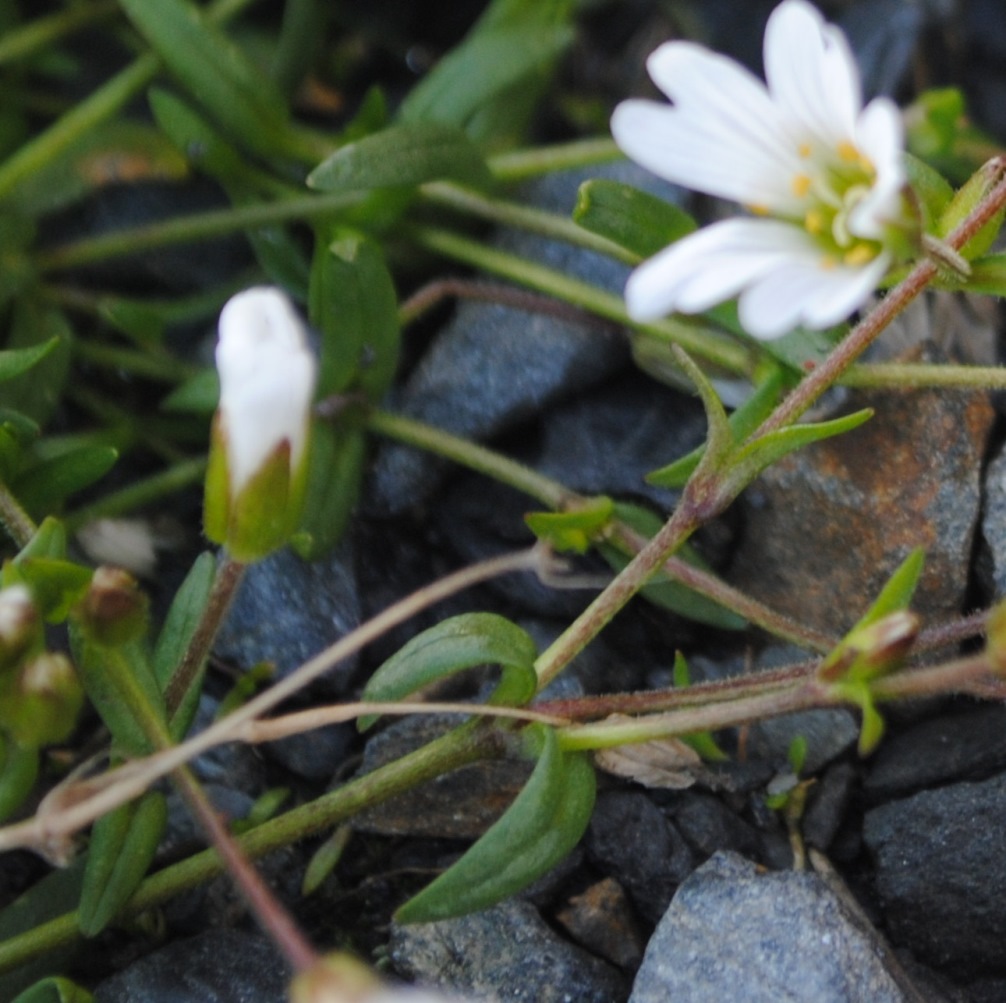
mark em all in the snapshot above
pixel 833 185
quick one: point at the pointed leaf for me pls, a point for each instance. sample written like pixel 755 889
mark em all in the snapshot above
pixel 719 441
pixel 37 392
pixel 54 990
pixel 743 421
pixel 123 844
pixel 763 452
pixel 898 590
pixel 213 70
pixel 184 617
pixel 402 155
pixel 475 87
pixel 636 220
pixel 44 486
pixel 543 824
pixel 16 361
pixel 452 645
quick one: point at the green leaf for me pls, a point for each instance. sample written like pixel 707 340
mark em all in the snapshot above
pixel 338 455
pixel 898 590
pixel 184 616
pixel 636 220
pixel 743 421
pixel 765 450
pixel 56 585
pixel 719 441
pixel 661 590
pixel 452 645
pixel 37 392
pixel 16 361
pixel 932 190
pixel 402 156
pixel 18 772
pixel 543 824
pixel 120 683
pixel 488 84
pixel 214 71
pixel 353 305
pixel 199 394
pixel 574 530
pixel 43 487
pixel 55 990
pixel 123 844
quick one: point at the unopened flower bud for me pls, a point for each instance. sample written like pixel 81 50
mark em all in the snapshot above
pixel 114 609
pixel 20 626
pixel 40 702
pixel 258 451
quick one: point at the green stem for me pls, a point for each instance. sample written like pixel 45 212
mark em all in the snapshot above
pixel 547 224
pixel 19 525
pixel 464 745
pixel 143 492
pixel 224 588
pixel 521 164
pixel 99 106
pixel 918 376
pixel 192 228
pixel 26 40
pixel 704 343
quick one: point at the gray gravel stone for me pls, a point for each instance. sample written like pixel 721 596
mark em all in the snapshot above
pixel 502 954
pixel 732 933
pixel 941 874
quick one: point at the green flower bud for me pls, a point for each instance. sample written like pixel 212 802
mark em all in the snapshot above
pixel 114 609
pixel 20 625
pixel 40 702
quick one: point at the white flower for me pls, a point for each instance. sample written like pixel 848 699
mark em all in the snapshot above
pixel 821 175
pixel 257 472
pixel 267 375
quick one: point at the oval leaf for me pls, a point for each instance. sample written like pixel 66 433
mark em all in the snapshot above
pixel 543 824
pixel 452 645
pixel 402 155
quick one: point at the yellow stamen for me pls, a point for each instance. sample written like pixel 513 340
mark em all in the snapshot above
pixel 804 149
pixel 801 185
pixel 829 262
pixel 758 210
pixel 848 152
pixel 859 255
pixel 814 222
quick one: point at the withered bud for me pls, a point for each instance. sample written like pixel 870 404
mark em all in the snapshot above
pixel 114 609
pixel 20 625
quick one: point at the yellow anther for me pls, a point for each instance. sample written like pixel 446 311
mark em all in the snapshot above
pixel 804 149
pixel 829 262
pixel 758 210
pixel 859 255
pixel 814 222
pixel 848 152
pixel 801 185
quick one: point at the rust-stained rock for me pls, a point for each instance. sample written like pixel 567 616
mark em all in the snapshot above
pixel 827 525
pixel 602 920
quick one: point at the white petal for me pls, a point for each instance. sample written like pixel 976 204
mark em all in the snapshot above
pixel 267 375
pixel 723 136
pixel 880 136
pixel 812 72
pixel 711 266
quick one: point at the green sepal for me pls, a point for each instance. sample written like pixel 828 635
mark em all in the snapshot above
pixel 933 192
pixel 752 458
pixel 573 530
pixel 964 202
pixel 56 585
pixel 54 989
pixel 743 421
pixel 402 156
pixel 719 440
pixel 633 219
pixel 184 617
pixel 898 590
pixel 18 772
pixel 545 822
pixel 662 590
pixel 452 645
pixel 123 844
pixel 40 701
pixel 988 275
pixel 214 71
pixel 338 458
